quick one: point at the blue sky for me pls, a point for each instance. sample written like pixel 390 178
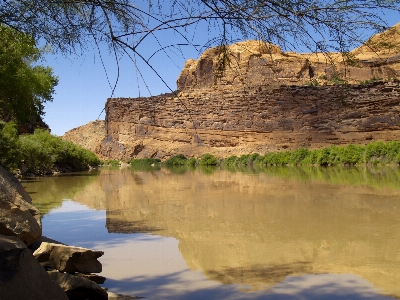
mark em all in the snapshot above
pixel 85 84
pixel 83 87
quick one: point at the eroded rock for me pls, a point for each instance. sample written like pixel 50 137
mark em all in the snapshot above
pixel 68 259
pixel 78 287
pixel 21 276
pixel 18 217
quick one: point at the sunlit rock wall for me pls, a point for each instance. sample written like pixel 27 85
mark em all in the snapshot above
pixel 255 119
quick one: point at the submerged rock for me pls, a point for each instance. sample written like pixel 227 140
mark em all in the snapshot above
pixel 68 259
pixel 18 217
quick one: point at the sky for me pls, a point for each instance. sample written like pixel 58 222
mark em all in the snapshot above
pixel 85 83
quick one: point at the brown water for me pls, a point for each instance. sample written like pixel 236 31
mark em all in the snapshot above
pixel 281 233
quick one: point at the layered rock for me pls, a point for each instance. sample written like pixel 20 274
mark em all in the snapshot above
pixel 68 259
pixel 88 136
pixel 261 99
pixel 21 275
pixel 255 63
pixel 255 120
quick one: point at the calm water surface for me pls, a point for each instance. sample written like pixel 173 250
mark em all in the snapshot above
pixel 281 233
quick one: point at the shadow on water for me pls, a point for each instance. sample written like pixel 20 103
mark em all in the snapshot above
pixel 310 287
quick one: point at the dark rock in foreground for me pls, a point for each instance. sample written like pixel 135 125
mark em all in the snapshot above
pixel 18 217
pixel 21 276
pixel 68 259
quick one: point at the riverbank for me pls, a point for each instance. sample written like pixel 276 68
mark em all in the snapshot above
pixel 374 154
pixel 36 267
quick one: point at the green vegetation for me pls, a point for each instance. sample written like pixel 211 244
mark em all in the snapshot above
pixel 177 160
pixel 374 153
pixel 24 86
pixel 41 152
pixel 208 160
pixel 111 163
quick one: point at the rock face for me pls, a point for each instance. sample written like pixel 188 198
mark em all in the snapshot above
pixel 264 100
pixel 68 259
pixel 255 63
pixel 18 217
pixel 21 276
pixel 255 120
pixel 88 136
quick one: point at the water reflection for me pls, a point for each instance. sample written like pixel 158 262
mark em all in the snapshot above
pixel 259 229
pixel 49 192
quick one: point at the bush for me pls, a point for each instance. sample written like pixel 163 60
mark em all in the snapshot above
pixel 299 155
pixel 230 161
pixel 248 159
pixel 351 155
pixel 177 160
pixel 208 160
pixel 43 152
pixel 111 163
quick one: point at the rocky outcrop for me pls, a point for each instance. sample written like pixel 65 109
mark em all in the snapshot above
pixel 18 217
pixel 88 136
pixel 261 99
pixel 253 120
pixel 21 276
pixel 68 259
pixel 256 63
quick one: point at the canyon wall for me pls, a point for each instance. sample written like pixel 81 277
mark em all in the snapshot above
pixel 255 119
pixel 250 97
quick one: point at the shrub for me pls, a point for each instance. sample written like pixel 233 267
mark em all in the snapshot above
pixel 230 161
pixel 208 160
pixel 298 156
pixel 248 159
pixel 177 160
pixel 111 163
pixel 351 155
pixel 42 152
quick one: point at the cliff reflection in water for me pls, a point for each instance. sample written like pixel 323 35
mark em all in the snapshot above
pixel 259 228
pixel 48 192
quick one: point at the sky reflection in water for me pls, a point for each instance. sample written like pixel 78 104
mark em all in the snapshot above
pixel 231 235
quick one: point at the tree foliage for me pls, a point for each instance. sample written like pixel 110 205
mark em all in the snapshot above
pixel 317 25
pixel 24 86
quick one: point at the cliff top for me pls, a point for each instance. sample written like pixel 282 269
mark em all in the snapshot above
pixel 256 63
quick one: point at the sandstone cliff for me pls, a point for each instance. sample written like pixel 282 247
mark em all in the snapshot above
pixel 264 100
pixel 88 136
